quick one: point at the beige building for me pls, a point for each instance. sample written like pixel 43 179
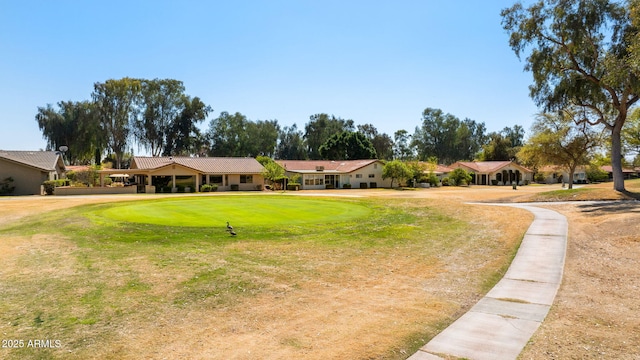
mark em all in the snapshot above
pixel 29 169
pixel 168 174
pixel 495 172
pixel 554 174
pixel 329 174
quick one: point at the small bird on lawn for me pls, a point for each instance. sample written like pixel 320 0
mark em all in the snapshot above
pixel 229 227
pixel 233 233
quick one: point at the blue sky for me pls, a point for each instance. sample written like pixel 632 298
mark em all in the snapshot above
pixel 381 63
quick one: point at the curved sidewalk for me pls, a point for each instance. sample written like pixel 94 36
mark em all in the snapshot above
pixel 501 323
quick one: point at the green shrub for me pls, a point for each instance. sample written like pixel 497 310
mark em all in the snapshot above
pixel 209 187
pixel 50 185
pixel 445 181
pixel 596 174
pixel 346 186
pixel 88 177
pixel 431 179
pixel 459 177
pixel 5 186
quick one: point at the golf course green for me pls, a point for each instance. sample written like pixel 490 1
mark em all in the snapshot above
pixel 212 211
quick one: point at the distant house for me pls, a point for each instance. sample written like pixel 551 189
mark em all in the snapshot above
pixel 329 174
pixel 495 172
pixel 440 171
pixel 29 169
pixel 168 174
pixel 554 174
pixel 626 173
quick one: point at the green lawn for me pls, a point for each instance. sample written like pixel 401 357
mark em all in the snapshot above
pixel 240 211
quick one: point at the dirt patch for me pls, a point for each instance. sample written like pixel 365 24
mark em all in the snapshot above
pixel 596 314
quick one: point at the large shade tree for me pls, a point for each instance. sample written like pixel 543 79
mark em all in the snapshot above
pixel 183 136
pixel 381 141
pixel 447 138
pixel 74 125
pixel 402 146
pixel 557 139
pixel 503 145
pixel 291 144
pixel 115 103
pixel 320 128
pixel 235 135
pixel 347 145
pixel 581 53
pixel 161 101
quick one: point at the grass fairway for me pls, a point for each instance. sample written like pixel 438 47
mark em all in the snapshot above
pixel 306 278
pixel 244 211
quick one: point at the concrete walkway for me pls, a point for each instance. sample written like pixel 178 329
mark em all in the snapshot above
pixel 501 323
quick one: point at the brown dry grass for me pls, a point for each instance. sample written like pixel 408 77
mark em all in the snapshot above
pixel 348 303
pixel 596 314
pixel 374 305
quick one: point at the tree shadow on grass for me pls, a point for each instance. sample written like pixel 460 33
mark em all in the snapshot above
pixel 611 207
pixel 631 195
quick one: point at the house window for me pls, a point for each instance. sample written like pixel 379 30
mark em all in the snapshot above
pixel 371 176
pixel 215 179
pixel 312 180
pixel 358 176
pixel 375 166
pixel 246 179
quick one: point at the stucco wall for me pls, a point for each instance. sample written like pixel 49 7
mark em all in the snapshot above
pixel 256 184
pixel 374 169
pixel 27 180
pixel 355 178
pixel 71 190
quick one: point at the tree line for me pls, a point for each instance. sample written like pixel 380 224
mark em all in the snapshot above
pixel 158 117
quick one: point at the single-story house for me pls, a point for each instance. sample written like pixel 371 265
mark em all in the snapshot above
pixel 626 173
pixel 168 174
pixel 29 169
pixel 495 172
pixel 440 171
pixel 554 174
pixel 330 174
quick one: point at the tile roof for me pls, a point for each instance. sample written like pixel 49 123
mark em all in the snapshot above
pixel 554 168
pixel 205 165
pixel 439 169
pixel 339 166
pixel 487 166
pixel 609 168
pixel 43 160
